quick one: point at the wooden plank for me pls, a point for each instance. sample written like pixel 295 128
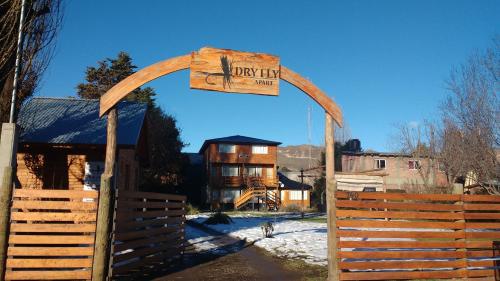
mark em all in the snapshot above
pixel 49 263
pixel 400 196
pixel 482 263
pixel 134 225
pixel 482 216
pixel 481 207
pixel 406 244
pixel 400 234
pixel 144 233
pixel 50 251
pixel 482 235
pixel 46 227
pixel 51 193
pixel 53 205
pixel 399 215
pixel 48 275
pixel 401 275
pixel 147 251
pixel 149 205
pixel 150 195
pixel 402 254
pixel 399 224
pixel 481 272
pixel 363 204
pixel 402 264
pixel 145 261
pixel 48 216
pixel 127 216
pixel 51 239
pixel 481 198
pixel 232 71
pixel 484 225
pixel 147 241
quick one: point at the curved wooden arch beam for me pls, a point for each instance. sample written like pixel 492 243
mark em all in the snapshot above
pixel 145 75
pixel 141 77
pixel 314 92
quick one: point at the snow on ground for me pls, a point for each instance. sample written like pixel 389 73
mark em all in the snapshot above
pixel 291 238
pixel 203 242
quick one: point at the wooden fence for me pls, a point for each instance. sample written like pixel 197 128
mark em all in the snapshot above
pixel 384 236
pixel 51 235
pixel 148 231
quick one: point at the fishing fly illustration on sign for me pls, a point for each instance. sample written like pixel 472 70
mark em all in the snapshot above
pixel 235 72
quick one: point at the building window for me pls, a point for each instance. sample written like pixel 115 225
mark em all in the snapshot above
pixel 230 171
pixel 297 195
pixel 413 164
pixel 270 173
pixel 379 163
pixel 259 149
pixel 227 148
pixel 253 171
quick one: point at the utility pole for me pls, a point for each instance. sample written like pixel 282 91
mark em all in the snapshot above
pixel 302 191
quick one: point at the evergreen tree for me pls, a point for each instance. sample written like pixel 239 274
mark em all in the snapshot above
pixel 164 142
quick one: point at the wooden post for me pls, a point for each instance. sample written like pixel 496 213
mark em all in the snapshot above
pixel 331 188
pixel 5 198
pixel 104 213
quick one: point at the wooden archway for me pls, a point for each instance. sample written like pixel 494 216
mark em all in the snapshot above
pixel 112 97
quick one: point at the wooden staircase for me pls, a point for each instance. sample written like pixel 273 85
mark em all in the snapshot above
pixel 256 189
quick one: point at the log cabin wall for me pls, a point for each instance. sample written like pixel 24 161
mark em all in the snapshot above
pixel 63 167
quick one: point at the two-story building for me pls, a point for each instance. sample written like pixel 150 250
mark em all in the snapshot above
pixel 242 170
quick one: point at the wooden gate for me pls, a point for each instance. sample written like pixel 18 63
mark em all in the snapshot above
pixel 148 232
pixel 51 235
pixel 387 236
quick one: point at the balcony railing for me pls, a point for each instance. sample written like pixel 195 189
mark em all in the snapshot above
pixel 237 181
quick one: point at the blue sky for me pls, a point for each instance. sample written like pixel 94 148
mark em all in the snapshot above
pixel 383 62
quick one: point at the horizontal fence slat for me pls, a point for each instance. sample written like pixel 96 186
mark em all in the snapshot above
pixel 145 252
pixel 401 275
pixel 131 215
pixel 399 224
pixel 49 263
pixel 48 216
pixel 398 215
pixel 50 193
pixel 402 244
pixel 132 225
pixel 150 195
pixel 54 205
pixel 364 204
pixel 399 196
pixel 51 239
pixel 50 251
pixel 149 204
pixel 52 227
pixel 482 216
pixel 483 235
pixel 144 262
pixel 481 198
pixel 401 254
pixel 147 241
pixel 48 275
pixel 481 207
pixel 400 234
pixel 144 233
pixel 402 264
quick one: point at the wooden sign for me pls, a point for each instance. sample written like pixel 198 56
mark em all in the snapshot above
pixel 235 72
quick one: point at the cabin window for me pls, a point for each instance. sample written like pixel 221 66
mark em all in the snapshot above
pixel 259 149
pixel 253 171
pixel 230 171
pixel 297 195
pixel 270 173
pixel 227 148
pixel 379 163
pixel 413 164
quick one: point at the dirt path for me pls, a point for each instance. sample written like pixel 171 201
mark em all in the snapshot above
pixel 236 261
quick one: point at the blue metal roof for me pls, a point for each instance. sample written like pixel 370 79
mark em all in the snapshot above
pixel 237 139
pixel 76 121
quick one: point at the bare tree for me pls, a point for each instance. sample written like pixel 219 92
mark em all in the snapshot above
pixel 42 21
pixel 471 119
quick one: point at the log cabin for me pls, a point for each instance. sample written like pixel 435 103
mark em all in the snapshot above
pixel 241 172
pixel 62 144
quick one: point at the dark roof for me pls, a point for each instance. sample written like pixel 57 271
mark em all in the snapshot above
pixel 291 184
pixel 76 121
pixel 237 139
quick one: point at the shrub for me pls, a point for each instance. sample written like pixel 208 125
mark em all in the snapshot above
pixel 218 218
pixel 267 229
pixel 191 210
